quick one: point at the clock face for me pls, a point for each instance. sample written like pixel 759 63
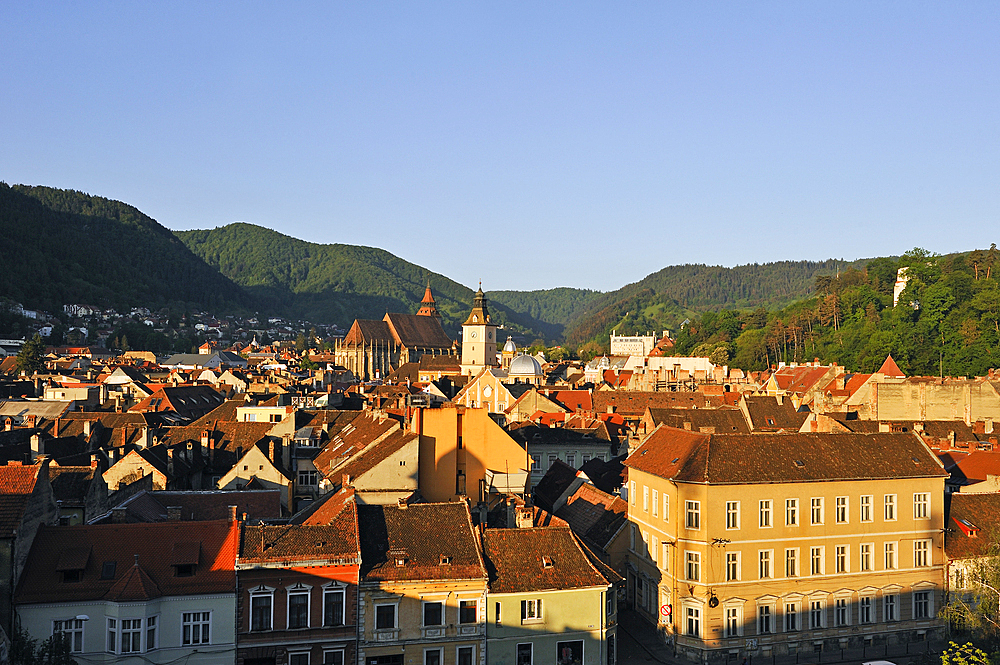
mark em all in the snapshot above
pixel 489 335
pixel 473 334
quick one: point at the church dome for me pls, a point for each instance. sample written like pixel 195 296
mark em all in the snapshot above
pixel 509 346
pixel 524 365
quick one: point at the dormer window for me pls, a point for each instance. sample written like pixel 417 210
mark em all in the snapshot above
pixel 547 562
pixel 72 562
pixel 184 558
pixel 445 560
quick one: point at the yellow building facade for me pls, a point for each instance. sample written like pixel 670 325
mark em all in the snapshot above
pixel 786 543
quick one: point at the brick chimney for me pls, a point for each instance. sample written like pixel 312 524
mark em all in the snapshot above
pixel 119 515
pixel 173 513
pixel 524 517
pixel 55 428
pixel 8 424
pixel 232 513
pixel 37 447
pixel 87 425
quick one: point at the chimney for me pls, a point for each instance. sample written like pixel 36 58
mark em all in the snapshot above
pixel 37 447
pixel 211 450
pixel 31 420
pixel 118 515
pixel 170 462
pixel 270 448
pixel 989 426
pixel 523 517
pixel 173 513
pixel 118 403
pixel 401 503
pixel 144 437
pixel 884 427
pixel 87 425
pixel 232 514
pixel 206 436
pixel 8 424
pixel 55 429
pixel 93 461
pixel 687 425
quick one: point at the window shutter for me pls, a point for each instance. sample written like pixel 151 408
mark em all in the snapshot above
pixel 538 611
pixel 524 610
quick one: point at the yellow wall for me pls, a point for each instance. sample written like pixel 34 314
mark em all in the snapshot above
pixel 485 445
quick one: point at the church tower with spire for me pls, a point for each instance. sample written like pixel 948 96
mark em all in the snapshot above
pixel 479 337
pixel 427 306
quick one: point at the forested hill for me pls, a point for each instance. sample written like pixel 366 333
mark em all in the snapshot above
pixel 62 246
pixel 338 283
pixel 665 298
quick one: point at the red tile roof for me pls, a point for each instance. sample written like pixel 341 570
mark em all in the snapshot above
pixel 978 510
pixel 17 482
pixel 890 368
pixel 334 542
pixel 537 559
pixel 150 547
pixel 783 458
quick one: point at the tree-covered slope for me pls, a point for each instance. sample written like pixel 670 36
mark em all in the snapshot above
pixel 338 283
pixel 62 246
pixel 665 298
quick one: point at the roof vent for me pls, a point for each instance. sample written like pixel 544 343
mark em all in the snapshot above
pixel 676 459
pixel 546 562
pixel 445 560
pixel 915 460
pixel 799 463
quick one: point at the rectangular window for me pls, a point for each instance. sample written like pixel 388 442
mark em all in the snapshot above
pixel 531 611
pixel 791 617
pixel 465 655
pixel 693 560
pixel 468 611
pixel 866 557
pixel 433 656
pixel 815 560
pixel 816 614
pixel 841 612
pixel 656 503
pixel 693 511
pixel 569 653
pixel 552 460
pixel 732 514
pixel 890 556
pixel 732 622
pixel 112 646
pixel 260 611
pixel 385 617
pixel 764 558
pixel 890 507
pixel 523 654
pixel 536 462
pixel 791 512
pixel 298 609
pixel 131 635
pixel 654 550
pixel 645 499
pixel 890 605
pixel 693 627
pixel 921 604
pixel 196 627
pixel 842 559
pixel 333 607
pixel 791 562
pixel 333 658
pixel 865 609
pixel 72 631
pixel 433 614
pixel 665 559
pixel 765 513
pixel 921 553
pixel 816 510
pixel 842 510
pixel 764 619
pixel 866 508
pixel 151 634
pixel 571 460
pixel 666 507
pixel 307 478
pixel 732 566
pixel 631 491
pixel 921 506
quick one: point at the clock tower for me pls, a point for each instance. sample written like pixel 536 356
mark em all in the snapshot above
pixel 479 337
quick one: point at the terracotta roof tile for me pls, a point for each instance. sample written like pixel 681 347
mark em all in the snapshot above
pixel 537 559
pixel 981 511
pixel 304 542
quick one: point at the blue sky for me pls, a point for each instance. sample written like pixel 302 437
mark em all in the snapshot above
pixel 529 145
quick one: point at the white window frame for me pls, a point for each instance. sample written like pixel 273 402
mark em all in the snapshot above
pixel 929 599
pixel 890 600
pixel 327 652
pixel 152 626
pixel 792 568
pixel 766 613
pixel 922 553
pixel 841 611
pixel 692 512
pixel 298 590
pixel 732 515
pixel 842 558
pixel 666 507
pixel 458 652
pixel 261 592
pixel 693 620
pixel 111 635
pixel 765 564
pixel 843 510
pixel 890 556
pixel 866 557
pixel 732 616
pixel 921 505
pixel 656 503
pixel 330 590
pixel 631 492
pixel 817 554
pixel 532 611
pixel 136 629
pixel 395 615
pixel 866 606
pixel 816 510
pixel 531 650
pixel 766 514
pixel 475 605
pixel 795 615
pixel 295 653
pixel 817 609
pixel 423 613
pixel 865 507
pixel 429 650
pixel 645 498
pixel 692 562
pixel 889 508
pixel 791 512
pixel 70 628
pixel 197 622
pixel 733 567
